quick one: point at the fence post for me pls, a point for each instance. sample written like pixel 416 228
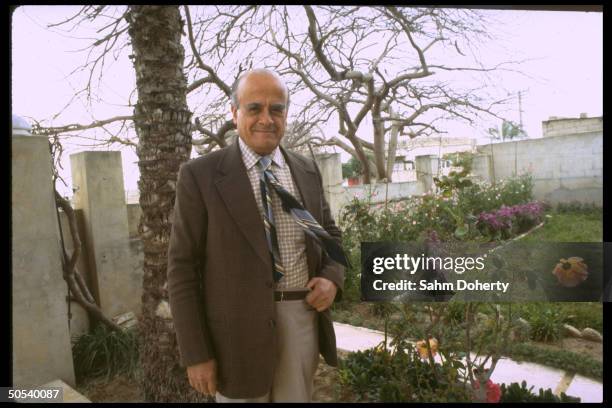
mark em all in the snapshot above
pixel 427 167
pixel 331 173
pixel 97 178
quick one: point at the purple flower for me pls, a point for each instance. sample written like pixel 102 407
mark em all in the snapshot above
pixel 523 215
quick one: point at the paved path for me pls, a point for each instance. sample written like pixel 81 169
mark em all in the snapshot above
pixel 352 338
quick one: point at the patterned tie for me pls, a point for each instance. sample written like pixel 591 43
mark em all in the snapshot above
pixel 303 218
pixel 279 271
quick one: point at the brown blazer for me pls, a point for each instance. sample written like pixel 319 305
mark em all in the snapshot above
pixel 220 272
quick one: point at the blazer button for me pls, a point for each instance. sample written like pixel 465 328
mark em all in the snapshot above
pixel 272 323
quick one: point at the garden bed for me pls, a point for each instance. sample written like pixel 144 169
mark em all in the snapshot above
pixel 123 388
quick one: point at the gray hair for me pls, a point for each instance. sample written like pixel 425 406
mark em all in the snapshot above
pixel 236 84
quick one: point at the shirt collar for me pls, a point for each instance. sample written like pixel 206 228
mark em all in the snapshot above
pixel 251 158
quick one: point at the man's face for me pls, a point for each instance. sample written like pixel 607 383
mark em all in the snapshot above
pixel 262 114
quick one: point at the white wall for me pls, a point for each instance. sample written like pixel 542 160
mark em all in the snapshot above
pixel 565 168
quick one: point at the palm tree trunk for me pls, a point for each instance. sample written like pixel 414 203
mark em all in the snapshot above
pixel 162 121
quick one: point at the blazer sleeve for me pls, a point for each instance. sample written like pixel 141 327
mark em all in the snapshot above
pixel 187 243
pixel 330 269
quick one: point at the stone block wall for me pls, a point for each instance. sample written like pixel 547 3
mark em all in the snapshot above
pixel 40 334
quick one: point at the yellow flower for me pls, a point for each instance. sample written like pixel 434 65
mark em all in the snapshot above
pixel 421 347
pixel 571 272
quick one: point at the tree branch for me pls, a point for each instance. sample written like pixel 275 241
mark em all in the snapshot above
pixel 75 281
pixel 211 72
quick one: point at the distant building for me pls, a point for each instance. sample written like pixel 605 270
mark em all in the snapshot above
pixel 408 150
pixel 556 126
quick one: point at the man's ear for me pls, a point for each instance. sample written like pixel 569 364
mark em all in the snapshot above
pixel 234 114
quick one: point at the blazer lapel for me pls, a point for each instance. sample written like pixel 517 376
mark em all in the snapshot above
pixel 235 189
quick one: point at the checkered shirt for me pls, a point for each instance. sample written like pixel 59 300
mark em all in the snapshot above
pixel 291 238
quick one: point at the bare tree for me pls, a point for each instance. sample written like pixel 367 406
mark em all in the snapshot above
pixel 359 62
pixel 349 64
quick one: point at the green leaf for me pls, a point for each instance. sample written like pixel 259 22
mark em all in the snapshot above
pixel 461 231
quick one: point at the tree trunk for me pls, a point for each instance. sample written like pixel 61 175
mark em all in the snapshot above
pixel 379 139
pixel 365 164
pixel 358 153
pixel 392 151
pixel 164 142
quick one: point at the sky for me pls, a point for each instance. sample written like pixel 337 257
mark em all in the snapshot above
pixel 563 74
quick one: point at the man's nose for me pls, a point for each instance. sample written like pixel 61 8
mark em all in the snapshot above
pixel 265 117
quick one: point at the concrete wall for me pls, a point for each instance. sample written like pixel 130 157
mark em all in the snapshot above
pixel 378 192
pixel 133 216
pixel 427 167
pixel 79 321
pixel 98 181
pixel 571 126
pixel 40 335
pixel 330 167
pixel 565 168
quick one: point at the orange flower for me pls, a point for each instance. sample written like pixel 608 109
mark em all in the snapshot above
pixel 571 272
pixel 421 347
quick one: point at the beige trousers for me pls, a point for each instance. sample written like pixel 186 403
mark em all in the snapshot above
pixel 298 355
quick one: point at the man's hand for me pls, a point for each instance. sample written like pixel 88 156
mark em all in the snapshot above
pixel 203 377
pixel 322 294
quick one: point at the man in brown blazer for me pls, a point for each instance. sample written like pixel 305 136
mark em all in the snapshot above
pixel 242 335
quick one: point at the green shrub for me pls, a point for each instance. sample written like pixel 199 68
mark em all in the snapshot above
pixel 456 180
pixel 545 319
pixel 451 216
pixel 104 352
pixel 546 325
pixel 382 309
pixel 380 375
pixel 455 312
pixel 481 197
pixel 520 393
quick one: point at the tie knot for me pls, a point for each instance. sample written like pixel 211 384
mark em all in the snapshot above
pixel 265 162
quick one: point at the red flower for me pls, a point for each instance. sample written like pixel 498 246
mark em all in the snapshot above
pixel 493 390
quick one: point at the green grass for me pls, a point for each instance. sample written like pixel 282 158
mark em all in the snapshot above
pixel 578 314
pixel 104 352
pixel 562 359
pixel 575 226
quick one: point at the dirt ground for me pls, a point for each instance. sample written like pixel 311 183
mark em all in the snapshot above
pixel 118 389
pixel 123 389
pixel 584 347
